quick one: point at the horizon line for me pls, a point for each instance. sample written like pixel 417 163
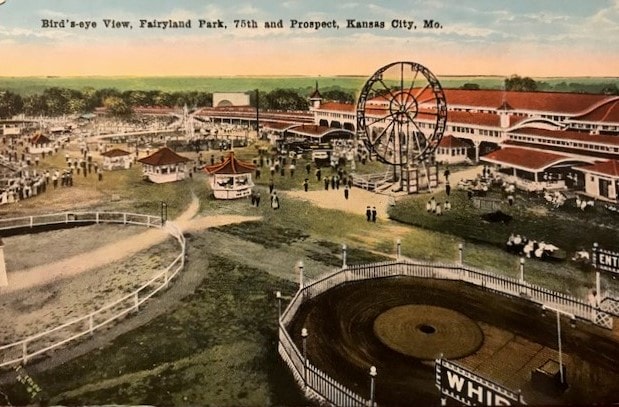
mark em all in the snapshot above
pixel 288 76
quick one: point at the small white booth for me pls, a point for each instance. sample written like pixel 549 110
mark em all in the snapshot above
pixel 231 178
pixel 116 159
pixel 40 144
pixel 164 165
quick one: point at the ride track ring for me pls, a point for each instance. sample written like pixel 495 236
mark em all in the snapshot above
pixel 390 108
pixel 343 339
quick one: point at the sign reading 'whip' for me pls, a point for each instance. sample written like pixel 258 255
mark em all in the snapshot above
pixel 463 385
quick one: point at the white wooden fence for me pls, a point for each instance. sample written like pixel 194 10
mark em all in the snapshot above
pixel 319 385
pixel 24 350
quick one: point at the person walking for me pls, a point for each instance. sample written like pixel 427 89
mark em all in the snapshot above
pixel 318 174
pixel 368 214
pixel 374 213
pixel 257 198
pixel 308 168
pixel 271 186
pixel 274 201
pixel 306 184
pixel 346 192
pixel 326 184
pixel 447 188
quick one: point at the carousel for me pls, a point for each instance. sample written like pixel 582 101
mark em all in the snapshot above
pixel 231 179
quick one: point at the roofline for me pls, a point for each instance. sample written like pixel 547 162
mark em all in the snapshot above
pixel 558 161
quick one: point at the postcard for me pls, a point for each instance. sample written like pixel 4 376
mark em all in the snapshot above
pixel 290 203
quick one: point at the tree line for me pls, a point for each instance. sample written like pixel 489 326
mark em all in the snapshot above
pixel 526 84
pixel 60 101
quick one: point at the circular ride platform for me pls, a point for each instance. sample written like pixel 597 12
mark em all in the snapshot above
pixel 425 332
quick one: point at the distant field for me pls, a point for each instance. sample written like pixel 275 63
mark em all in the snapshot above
pixel 31 85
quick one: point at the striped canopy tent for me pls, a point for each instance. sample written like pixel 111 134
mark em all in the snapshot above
pixel 231 179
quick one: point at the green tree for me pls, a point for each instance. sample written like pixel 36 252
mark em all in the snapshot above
pixel 10 104
pixel 470 86
pixel 339 95
pixel 520 84
pixel 285 99
pixel 35 105
pixel 115 105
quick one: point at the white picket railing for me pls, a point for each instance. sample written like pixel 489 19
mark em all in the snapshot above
pixel 319 385
pixel 24 350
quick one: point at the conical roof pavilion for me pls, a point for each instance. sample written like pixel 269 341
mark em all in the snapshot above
pixel 231 165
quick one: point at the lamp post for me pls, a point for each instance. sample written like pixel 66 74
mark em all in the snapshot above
pixel 522 269
pixel 398 249
pixel 304 335
pixel 164 213
pixel 373 374
pixel 594 261
pixel 278 295
pixel 573 318
pixel 300 267
pixel 343 256
pixel 460 254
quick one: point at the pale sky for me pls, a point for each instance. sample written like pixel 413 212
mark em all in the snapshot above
pixel 478 37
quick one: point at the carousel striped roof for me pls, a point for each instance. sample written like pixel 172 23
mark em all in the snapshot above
pixel 231 165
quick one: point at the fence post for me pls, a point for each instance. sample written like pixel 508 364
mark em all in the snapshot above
pixel 460 254
pixel 31 221
pixel 522 282
pixel 136 301
pixel 398 250
pixel 97 217
pixel 91 324
pixel 124 218
pixel 373 374
pixel 24 349
pixel 343 256
pixel 304 335
pixel 165 277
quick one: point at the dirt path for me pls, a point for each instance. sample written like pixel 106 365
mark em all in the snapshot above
pixel 110 253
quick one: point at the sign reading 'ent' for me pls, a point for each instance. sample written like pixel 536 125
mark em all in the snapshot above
pixel 605 260
pixel 464 386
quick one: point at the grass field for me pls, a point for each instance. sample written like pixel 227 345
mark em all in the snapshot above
pixel 218 345
pixel 32 85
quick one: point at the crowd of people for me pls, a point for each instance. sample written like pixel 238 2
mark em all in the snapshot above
pixel 530 248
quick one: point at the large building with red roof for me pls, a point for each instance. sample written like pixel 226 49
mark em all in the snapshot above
pixel 576 129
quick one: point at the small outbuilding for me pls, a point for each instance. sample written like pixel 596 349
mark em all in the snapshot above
pixel 116 159
pixel 231 179
pixel 40 144
pixel 165 165
pixel 602 180
pixel 451 150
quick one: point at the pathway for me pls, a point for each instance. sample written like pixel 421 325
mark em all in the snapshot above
pixel 113 252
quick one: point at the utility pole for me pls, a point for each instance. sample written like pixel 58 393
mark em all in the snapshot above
pixel 257 114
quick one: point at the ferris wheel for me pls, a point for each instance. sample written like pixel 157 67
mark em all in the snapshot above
pixel 401 114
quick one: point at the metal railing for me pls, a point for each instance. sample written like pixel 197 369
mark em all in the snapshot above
pixel 24 350
pixel 319 385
